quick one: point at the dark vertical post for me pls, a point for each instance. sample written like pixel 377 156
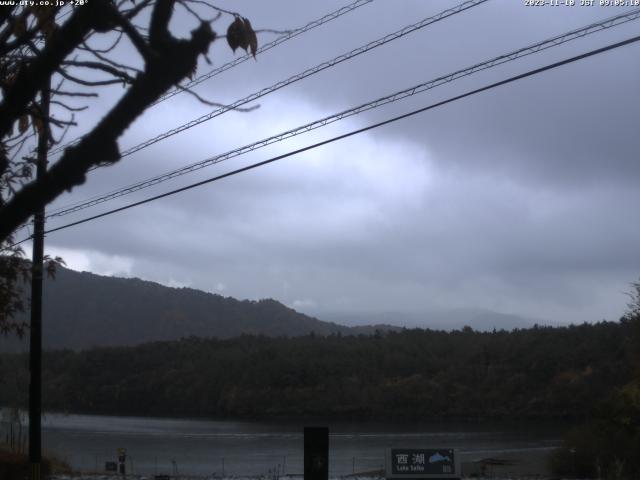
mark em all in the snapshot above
pixel 122 459
pixel 316 453
pixel 35 338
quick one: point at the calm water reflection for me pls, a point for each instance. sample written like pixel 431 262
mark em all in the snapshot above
pixel 200 447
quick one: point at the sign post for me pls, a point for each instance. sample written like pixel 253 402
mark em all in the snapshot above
pixel 122 458
pixel 316 453
pixel 423 463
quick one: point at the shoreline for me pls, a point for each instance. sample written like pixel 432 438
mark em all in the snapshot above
pixel 561 421
pixel 225 449
pixel 531 464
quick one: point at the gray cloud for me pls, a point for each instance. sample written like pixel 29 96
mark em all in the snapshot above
pixel 518 200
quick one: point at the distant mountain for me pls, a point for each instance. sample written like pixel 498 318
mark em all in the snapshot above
pixel 454 319
pixel 83 310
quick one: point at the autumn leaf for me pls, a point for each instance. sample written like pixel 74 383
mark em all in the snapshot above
pixel 236 35
pixel 251 37
pixel 37 123
pixel 241 34
pixel 23 123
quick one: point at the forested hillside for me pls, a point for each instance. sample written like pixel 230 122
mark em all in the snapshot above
pixel 538 372
pixel 83 310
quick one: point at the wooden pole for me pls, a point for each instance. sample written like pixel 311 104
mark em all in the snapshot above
pixel 35 339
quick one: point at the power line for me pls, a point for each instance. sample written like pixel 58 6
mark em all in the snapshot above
pixel 311 71
pixel 288 36
pixel 237 61
pixel 537 47
pixel 354 132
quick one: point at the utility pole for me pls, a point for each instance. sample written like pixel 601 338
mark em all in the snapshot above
pixel 35 339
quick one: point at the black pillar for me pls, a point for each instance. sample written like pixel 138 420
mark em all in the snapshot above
pixel 316 453
pixel 35 337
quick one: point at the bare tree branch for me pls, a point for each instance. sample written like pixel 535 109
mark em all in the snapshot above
pixel 68 107
pixel 109 61
pixel 216 104
pixel 135 37
pixel 87 83
pixel 99 146
pixel 213 7
pixel 159 26
pixel 74 94
pixel 31 79
pixel 34 51
pixel 101 66
pixel 84 45
pixel 133 12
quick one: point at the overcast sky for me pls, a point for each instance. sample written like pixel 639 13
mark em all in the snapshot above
pixel 520 200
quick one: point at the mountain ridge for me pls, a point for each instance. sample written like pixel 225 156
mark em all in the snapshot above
pixel 83 310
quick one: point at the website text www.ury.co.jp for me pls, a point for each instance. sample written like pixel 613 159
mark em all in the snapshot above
pixel 43 3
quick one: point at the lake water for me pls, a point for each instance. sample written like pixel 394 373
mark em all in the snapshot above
pixel 201 447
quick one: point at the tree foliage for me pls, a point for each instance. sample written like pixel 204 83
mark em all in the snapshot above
pixel 541 372
pixel 607 445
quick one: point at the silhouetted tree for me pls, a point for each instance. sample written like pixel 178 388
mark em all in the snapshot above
pixel 75 49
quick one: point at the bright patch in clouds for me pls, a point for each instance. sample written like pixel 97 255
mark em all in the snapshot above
pixel 304 303
pixel 94 261
pixel 177 284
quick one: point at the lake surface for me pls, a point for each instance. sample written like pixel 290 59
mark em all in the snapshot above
pixel 201 447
